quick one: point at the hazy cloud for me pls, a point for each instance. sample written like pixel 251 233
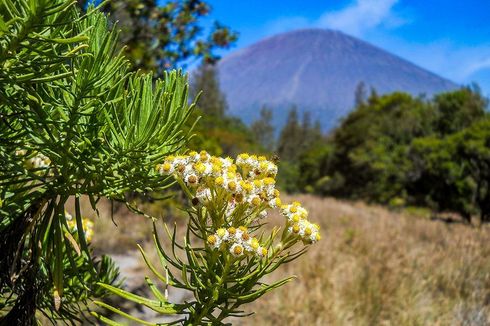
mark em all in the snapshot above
pixel 356 19
pixel 361 16
pixel 478 65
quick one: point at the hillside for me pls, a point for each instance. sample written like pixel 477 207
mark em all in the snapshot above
pixel 318 70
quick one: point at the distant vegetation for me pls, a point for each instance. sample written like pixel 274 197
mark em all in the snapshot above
pixel 402 150
pixel 394 149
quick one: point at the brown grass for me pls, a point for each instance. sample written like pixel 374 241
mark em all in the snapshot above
pixel 372 267
pixel 375 267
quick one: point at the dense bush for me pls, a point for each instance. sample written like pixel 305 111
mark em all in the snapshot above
pixel 397 149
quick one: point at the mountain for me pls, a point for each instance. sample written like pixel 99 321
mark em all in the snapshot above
pixel 317 70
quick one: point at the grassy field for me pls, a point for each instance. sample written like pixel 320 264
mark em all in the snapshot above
pixel 372 267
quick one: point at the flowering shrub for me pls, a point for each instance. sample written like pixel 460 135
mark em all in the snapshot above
pixel 227 251
pixel 75 123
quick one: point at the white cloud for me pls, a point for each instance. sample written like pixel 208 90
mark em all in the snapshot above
pixel 478 65
pixel 361 16
pixel 358 18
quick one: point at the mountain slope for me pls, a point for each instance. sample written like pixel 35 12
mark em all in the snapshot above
pixel 318 70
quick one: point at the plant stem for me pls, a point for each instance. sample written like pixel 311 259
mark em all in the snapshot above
pixel 209 305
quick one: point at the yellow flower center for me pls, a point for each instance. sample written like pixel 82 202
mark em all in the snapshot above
pixel 219 181
pixel 216 168
pixel 239 198
pixel 200 168
pixel 277 201
pixel 295 228
pixel 232 185
pixel 243 228
pixel 243 156
pixel 269 181
pixel 255 244
pixel 238 250
pixel 212 239
pixel 248 187
pixel 221 232
pixel 166 167
pixel 256 201
pixel 263 165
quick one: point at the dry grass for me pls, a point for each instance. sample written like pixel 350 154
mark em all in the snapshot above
pixel 375 267
pixel 372 267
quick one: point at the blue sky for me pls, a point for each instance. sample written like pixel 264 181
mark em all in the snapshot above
pixel 448 37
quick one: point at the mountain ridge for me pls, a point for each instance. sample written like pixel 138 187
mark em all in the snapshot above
pixel 317 70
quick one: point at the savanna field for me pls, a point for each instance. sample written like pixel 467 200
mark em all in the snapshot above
pixel 311 176
pixel 372 267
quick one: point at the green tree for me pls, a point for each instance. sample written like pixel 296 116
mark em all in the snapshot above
pixel 311 134
pixel 297 138
pixel 459 109
pixel 453 173
pixel 314 166
pixel 263 129
pixel 163 35
pixel 290 138
pixel 360 94
pixel 371 145
pixel 205 80
pixel 474 150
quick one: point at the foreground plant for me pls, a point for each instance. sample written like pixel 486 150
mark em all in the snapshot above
pixel 74 123
pixel 227 252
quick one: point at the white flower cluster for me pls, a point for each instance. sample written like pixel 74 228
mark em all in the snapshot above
pixel 39 161
pixel 250 181
pixel 237 192
pixel 298 224
pixel 87 225
pixel 238 241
